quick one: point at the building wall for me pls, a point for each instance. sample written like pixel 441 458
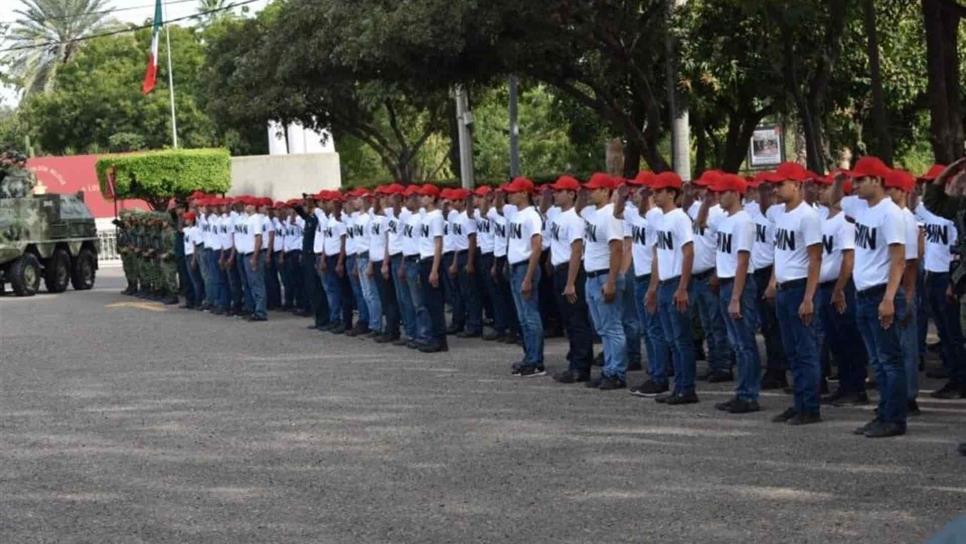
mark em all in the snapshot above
pixel 284 176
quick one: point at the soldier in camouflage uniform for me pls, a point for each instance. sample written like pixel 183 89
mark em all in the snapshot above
pixel 125 247
pixel 15 180
pixel 167 264
pixel 149 257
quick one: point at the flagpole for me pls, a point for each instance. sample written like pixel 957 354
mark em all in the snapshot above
pixel 167 37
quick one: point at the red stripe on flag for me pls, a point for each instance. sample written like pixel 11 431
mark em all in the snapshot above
pixel 150 75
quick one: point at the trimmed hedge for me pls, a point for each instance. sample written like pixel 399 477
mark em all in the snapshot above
pixel 163 174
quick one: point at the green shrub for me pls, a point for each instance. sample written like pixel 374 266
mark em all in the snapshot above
pixel 159 175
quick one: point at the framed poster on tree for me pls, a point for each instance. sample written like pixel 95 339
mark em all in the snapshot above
pixel 766 149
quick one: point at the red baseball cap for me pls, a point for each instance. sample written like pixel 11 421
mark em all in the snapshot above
pixel 519 184
pixel 900 179
pixel 729 182
pixel 189 216
pixel 870 167
pixel 601 180
pixel 566 183
pixel 933 172
pixel 643 178
pixel 429 189
pixel 483 190
pixel 666 180
pixel 790 171
pixel 393 189
pixel 708 178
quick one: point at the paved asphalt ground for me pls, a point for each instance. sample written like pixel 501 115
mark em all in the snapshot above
pixel 124 421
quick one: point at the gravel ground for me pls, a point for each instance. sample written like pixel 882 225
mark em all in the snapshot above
pixel 125 421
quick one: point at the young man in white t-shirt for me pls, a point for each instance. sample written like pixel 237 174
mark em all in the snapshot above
pixel 836 302
pixel 248 251
pixel 464 265
pixel 794 283
pixel 412 229
pixel 899 185
pixel 524 247
pixel 603 256
pixel 482 204
pixel 566 233
pixel 505 322
pixel 880 257
pixel 275 264
pixel 734 233
pixel 378 269
pixel 396 302
pixel 431 268
pixel 367 286
pixel 667 295
pixel 641 218
pixel 941 237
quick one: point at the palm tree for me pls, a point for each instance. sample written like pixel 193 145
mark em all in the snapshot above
pixel 46 36
pixel 216 6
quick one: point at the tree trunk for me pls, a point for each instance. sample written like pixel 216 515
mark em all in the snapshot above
pixel 881 141
pixel 454 137
pixel 741 127
pixel 632 158
pixel 942 66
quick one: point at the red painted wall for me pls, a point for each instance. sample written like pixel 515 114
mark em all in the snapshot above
pixel 67 175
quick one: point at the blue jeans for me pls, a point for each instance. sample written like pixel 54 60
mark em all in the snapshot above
pixel 741 336
pixel 333 290
pixel 469 287
pixel 218 291
pixel 608 322
pixel 360 301
pixel 451 291
pixel 433 302
pixel 705 303
pixel 528 312
pixel 387 299
pixel 370 293
pixel 677 333
pixel 420 312
pixel 801 348
pixel 255 282
pixel 576 320
pixel 775 359
pixel 945 313
pixel 194 274
pixel 630 319
pixel 504 313
pixel 407 313
pixel 273 287
pixel 885 353
pixel 489 287
pixel 238 296
pixel 657 348
pixel 909 339
pixel 841 333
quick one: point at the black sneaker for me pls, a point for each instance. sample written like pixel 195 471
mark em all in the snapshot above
pixel 662 399
pixel 648 389
pixel 785 416
pixel 489 336
pixel 569 377
pixel 400 342
pixel 634 366
pixel 469 334
pixel 433 347
pixel 805 418
pixel 599 359
pixel 773 379
pixel 510 339
pixel 338 329
pixel 532 371
pixel 372 334
pixel 516 368
pixel 386 338
pixel 949 391
pixel 720 376
pixel 594 383
pixel 962 448
pixel 938 373
pixel 412 344
pixel 884 430
pixel 610 384
pixel 862 430
pixel 742 406
pixel 726 405
pixel 686 398
pixel 912 408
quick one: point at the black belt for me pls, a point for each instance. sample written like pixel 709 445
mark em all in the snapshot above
pixel 791 284
pixel 445 253
pixel 460 252
pixel 829 283
pixel 411 258
pixel 701 276
pixel 643 277
pixel 562 266
pixel 669 281
pixel 874 291
pixel 726 281
pixel 521 263
pixel 364 254
pixel 596 273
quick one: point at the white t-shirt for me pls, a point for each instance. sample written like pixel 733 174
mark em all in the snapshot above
pixel 763 251
pixel 564 229
pixel 360 226
pixel 552 211
pixel 838 235
pixel 704 239
pixel 524 225
pixel 318 243
pixel 245 233
pixel 190 234
pixel 208 236
pixel 673 233
pixel 431 228
pixel 941 237
pixel 484 234
pixel 643 233
pixel 876 228
pixel 795 231
pixel 279 243
pixel 852 205
pixel 462 227
pixel 235 221
pixel 752 207
pixel 912 234
pixel 335 232
pixel 600 230
pixel 293 233
pixel 449 231
pixel 412 225
pixel 498 223
pixel 733 234
pixel 395 231
pixel 377 237
pixel 226 227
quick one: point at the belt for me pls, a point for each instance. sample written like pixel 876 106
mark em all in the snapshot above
pixel 643 277
pixel 800 282
pixel 669 281
pixel 460 252
pixel 871 291
pixel 445 253
pixel 521 263
pixel 829 283
pixel 701 276
pixel 363 254
pixel 411 258
pixel 562 266
pixel 726 281
pixel 245 254
pixel 596 273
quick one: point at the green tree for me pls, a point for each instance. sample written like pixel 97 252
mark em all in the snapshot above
pixel 47 36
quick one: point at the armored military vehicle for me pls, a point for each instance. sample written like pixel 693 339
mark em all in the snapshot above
pixel 50 237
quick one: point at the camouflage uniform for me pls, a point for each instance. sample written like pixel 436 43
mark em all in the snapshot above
pixel 15 180
pixel 125 247
pixel 167 265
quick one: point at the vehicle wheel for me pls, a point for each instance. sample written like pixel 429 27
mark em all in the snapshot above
pixel 57 274
pixel 24 275
pixel 85 266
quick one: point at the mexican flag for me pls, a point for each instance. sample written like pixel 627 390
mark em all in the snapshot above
pixel 151 73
